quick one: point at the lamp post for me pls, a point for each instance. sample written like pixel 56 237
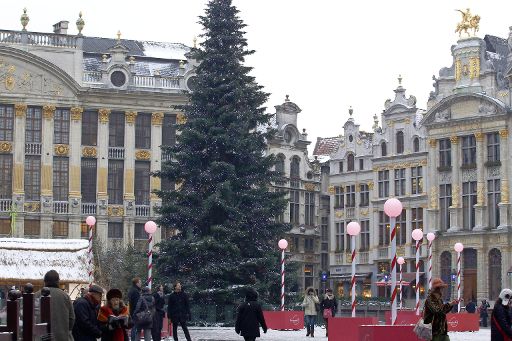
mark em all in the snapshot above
pixel 400 262
pixel 283 244
pixel 417 235
pixel 430 237
pixel 353 230
pixel 458 248
pixel 150 228
pixel 90 221
pixel 393 208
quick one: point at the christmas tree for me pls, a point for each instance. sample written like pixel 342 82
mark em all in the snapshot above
pixel 224 206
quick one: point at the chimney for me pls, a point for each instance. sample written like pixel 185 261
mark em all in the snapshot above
pixel 61 27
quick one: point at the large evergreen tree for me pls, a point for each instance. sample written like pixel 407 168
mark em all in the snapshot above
pixel 224 207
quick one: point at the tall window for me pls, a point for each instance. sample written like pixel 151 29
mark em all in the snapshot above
pixel 33 125
pixel 416 144
pixel 309 244
pixel 280 164
pixel 308 275
pixel 401 228
pixel 383 184
pixel 361 164
pixel 494 272
pixel 61 126
pixel 32 228
pixel 340 167
pixel 294 207
pixel 295 172
pixel 5 176
pixel 340 236
pixel 325 233
pixel 143 131
pixel 115 181
pixel 350 163
pixel 5 227
pixel 139 233
pixel 417 218
pixel 445 201
pixel 446 271
pixel 339 199
pixel 364 195
pixel 365 235
pixel 416 180
pixel 6 122
pixel 493 147
pixel 90 128
pixel 400 142
pixel 400 181
pixel 493 199
pixel 88 180
pixel 116 130
pixel 350 196
pixel 468 203
pixel 383 229
pixel 142 179
pixel 169 130
pixel 310 209
pixel 115 230
pixel 32 178
pixel 383 149
pixel 469 150
pixel 60 229
pixel 60 178
pixel 445 153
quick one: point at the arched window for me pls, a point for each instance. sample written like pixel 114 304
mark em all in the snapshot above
pixel 383 149
pixel 446 270
pixel 280 164
pixel 416 145
pixel 400 142
pixel 295 168
pixel 494 273
pixel 350 163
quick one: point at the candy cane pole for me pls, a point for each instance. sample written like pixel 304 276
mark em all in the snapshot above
pixel 458 248
pixel 353 244
pixel 417 277
pixel 90 221
pixel 430 237
pixel 400 262
pixel 392 221
pixel 283 244
pixel 150 228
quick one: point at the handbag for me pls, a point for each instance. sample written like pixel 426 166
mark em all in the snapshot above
pixel 423 330
pixel 145 316
pixel 327 313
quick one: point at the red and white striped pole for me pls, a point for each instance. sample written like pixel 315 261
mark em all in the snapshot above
pixel 430 237
pixel 400 262
pixel 353 230
pixel 393 208
pixel 90 221
pixel 458 248
pixel 283 244
pixel 417 235
pixel 150 228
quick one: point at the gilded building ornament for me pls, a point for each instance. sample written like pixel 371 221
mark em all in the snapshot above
pixel 504 133
pixel 142 154
pixel 10 82
pixel 480 195
pixel 157 118
pixel 407 120
pixel 468 22
pixel 504 191
pixel 32 206
pixel 458 70
pixel 454 139
pixel 433 197
pixel 474 67
pixel 130 116
pixel 48 111
pixel 331 190
pixel 455 196
pixel 5 147
pixel 310 187
pixel 20 110
pixel 364 212
pixel 432 143
pixel 89 152
pixel 479 136
pixel 181 118
pixel 339 214
pixel 76 113
pixel 370 185
pixel 103 115
pixel 61 149
pixel 115 211
pixel 423 162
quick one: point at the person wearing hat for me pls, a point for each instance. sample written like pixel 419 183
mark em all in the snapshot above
pixel 434 310
pixel 249 317
pixel 501 317
pixel 86 326
pixel 329 307
pixel 114 317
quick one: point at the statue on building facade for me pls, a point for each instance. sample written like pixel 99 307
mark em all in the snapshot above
pixel 468 22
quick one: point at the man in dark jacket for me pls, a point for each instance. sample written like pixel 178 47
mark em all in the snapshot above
pixel 133 298
pixel 178 310
pixel 159 297
pixel 250 317
pixel 86 326
pixel 501 317
pixel 471 307
pixel 484 315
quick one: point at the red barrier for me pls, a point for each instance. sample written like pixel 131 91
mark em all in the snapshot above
pixel 166 328
pixel 387 333
pixel 284 320
pixel 463 322
pixel 403 317
pixel 347 328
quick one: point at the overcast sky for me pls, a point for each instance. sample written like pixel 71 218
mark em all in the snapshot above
pixel 326 54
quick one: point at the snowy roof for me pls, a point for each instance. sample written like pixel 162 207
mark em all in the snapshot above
pixel 30 259
pixel 327 145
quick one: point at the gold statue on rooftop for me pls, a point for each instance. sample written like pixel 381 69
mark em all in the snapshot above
pixel 468 22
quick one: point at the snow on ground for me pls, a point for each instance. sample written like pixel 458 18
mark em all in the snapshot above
pixel 228 334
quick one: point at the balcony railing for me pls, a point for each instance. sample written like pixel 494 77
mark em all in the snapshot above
pixel 156 82
pixel 383 252
pixel 33 148
pixel 5 205
pixel 40 39
pixel 92 77
pixel 364 257
pixel 116 152
pixel 60 207
pixel 350 212
pixel 142 210
pixel 10 37
pixel 88 208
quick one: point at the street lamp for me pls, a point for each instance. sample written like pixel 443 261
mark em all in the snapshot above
pixel 283 244
pixel 150 228
pixel 393 208
pixel 353 229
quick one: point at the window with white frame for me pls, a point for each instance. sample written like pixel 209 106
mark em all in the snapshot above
pixel 339 198
pixel 350 196
pixel 493 147
pixel 365 236
pixel 416 180
pixel 383 229
pixel 493 199
pixel 468 204
pixel 400 181
pixel 445 201
pixel 383 184
pixel 310 209
pixel 364 195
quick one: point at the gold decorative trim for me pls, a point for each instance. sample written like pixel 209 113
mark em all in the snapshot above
pixel 157 118
pixel 76 113
pixel 310 187
pixel 339 214
pixel 115 211
pixel 474 67
pixel 5 147
pixel 454 139
pixel 504 191
pixel 130 116
pixel 181 118
pixel 32 207
pixel 458 69
pixel 61 149
pixel 10 82
pixel 89 152
pixel 142 154
pixel 331 190
pixel 48 111
pixel 504 133
pixel 455 196
pixel 370 185
pixel 103 115
pixel 20 110
pixel 433 197
pixel 480 195
pixel 364 212
pixel 479 136
pixel 432 143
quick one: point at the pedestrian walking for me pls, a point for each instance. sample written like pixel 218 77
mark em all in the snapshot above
pixel 434 311
pixel 328 308
pixel 501 317
pixel 249 317
pixel 158 318
pixel 133 298
pixel 178 310
pixel 87 326
pixel 484 314
pixel 310 303
pixel 471 307
pixel 144 313
pixel 114 317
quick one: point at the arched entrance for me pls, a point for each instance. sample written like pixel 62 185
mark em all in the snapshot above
pixel 469 269
pixel 494 273
pixel 446 268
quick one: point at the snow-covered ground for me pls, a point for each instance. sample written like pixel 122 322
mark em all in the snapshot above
pixel 228 334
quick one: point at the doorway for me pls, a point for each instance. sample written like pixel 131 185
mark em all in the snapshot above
pixel 469 271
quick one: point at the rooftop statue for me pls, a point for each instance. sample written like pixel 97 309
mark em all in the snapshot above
pixel 468 22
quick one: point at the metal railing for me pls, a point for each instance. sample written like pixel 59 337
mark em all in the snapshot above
pixel 89 208
pixel 5 205
pixel 60 207
pixel 142 210
pixel 33 148
pixel 116 152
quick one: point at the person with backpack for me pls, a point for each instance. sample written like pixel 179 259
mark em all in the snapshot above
pixel 249 317
pixel 144 313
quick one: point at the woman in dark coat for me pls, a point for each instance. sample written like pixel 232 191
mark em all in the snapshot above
pixel 114 318
pixel 250 317
pixel 501 317
pixel 484 315
pixel 146 302
pixel 435 311
pixel 178 310
pixel 328 303
pixel 158 319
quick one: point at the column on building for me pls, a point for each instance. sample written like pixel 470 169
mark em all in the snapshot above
pixel 129 177
pixel 482 281
pixel 455 216
pixel 46 220
pixel 75 160
pixel 504 157
pixel 18 187
pixel 102 180
pixel 156 160
pixel 480 185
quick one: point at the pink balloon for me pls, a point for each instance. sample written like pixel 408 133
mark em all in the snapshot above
pixel 393 207
pixel 417 234
pixel 353 228
pixel 283 244
pixel 150 227
pixel 400 260
pixel 431 236
pixel 458 247
pixel 90 220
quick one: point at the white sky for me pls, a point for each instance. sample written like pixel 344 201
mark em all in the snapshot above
pixel 326 54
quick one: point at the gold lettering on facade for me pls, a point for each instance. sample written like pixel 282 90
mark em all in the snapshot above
pixel 103 115
pixel 76 113
pixel 474 67
pixel 157 118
